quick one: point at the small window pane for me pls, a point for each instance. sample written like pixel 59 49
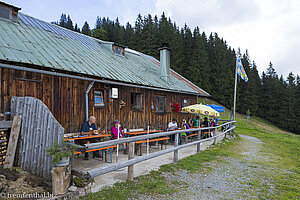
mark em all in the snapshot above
pixel 137 101
pixel 160 104
pixel 118 50
pixel 99 98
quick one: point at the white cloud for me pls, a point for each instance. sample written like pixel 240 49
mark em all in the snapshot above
pixel 269 29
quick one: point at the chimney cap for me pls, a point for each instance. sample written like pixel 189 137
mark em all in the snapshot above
pixel 162 48
pixel 5 4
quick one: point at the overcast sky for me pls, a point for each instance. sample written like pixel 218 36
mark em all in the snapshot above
pixel 269 29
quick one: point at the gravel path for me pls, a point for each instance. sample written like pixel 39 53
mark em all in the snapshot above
pixel 232 178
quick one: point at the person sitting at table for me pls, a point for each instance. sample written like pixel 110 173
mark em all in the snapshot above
pixel 196 121
pixel 85 130
pixel 115 132
pixel 185 125
pixel 88 125
pixel 216 120
pixel 204 124
pixel 172 126
pixel 212 122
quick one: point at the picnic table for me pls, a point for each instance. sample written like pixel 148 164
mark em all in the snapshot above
pixel 78 136
pixel 143 132
pixel 83 137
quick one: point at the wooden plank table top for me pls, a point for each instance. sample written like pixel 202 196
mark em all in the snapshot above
pixel 143 132
pixel 191 129
pixel 88 137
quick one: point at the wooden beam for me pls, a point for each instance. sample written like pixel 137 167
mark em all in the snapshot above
pixel 13 141
pixel 5 124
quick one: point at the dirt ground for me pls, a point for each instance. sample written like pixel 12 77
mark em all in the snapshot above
pixel 17 181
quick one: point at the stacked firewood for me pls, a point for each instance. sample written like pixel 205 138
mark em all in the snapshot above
pixel 3 147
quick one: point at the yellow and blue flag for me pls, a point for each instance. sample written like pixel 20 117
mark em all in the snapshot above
pixel 240 69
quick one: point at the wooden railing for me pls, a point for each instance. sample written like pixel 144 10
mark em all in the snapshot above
pixel 228 127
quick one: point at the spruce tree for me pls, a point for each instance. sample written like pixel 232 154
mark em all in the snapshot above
pixel 98 24
pixel 86 29
pixel 69 24
pixel 63 20
pixel 135 42
pixel 292 99
pixel 76 28
pixel 128 32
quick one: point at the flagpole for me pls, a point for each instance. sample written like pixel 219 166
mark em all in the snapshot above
pixel 235 86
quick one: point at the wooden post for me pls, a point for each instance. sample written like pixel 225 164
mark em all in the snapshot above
pixel 176 151
pixel 13 141
pixel 130 167
pixel 215 139
pixel 199 138
pixel 71 162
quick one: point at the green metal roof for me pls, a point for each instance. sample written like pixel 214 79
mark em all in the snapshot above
pixel 33 41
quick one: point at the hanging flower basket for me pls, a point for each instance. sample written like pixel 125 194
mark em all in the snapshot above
pixel 175 107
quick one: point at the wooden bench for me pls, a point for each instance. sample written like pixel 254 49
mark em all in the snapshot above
pixel 207 133
pixel 189 136
pixel 139 143
pixel 195 134
pixel 104 149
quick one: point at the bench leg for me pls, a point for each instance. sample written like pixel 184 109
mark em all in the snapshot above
pixel 141 149
pixel 101 155
pixel 137 149
pixel 164 142
pixel 110 150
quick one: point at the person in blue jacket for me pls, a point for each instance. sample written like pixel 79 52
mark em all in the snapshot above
pixel 85 130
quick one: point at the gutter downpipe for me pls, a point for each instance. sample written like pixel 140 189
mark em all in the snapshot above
pixel 87 100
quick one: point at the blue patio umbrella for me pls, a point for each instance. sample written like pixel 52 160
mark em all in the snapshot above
pixel 217 108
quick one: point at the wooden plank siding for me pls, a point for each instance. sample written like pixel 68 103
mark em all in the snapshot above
pixel 65 98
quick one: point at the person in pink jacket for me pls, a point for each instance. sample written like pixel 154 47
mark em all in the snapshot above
pixel 114 131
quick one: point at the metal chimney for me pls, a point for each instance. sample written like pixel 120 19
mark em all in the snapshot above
pixel 165 63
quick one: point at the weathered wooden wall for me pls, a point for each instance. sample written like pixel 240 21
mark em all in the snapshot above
pixel 65 98
pixel 39 131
